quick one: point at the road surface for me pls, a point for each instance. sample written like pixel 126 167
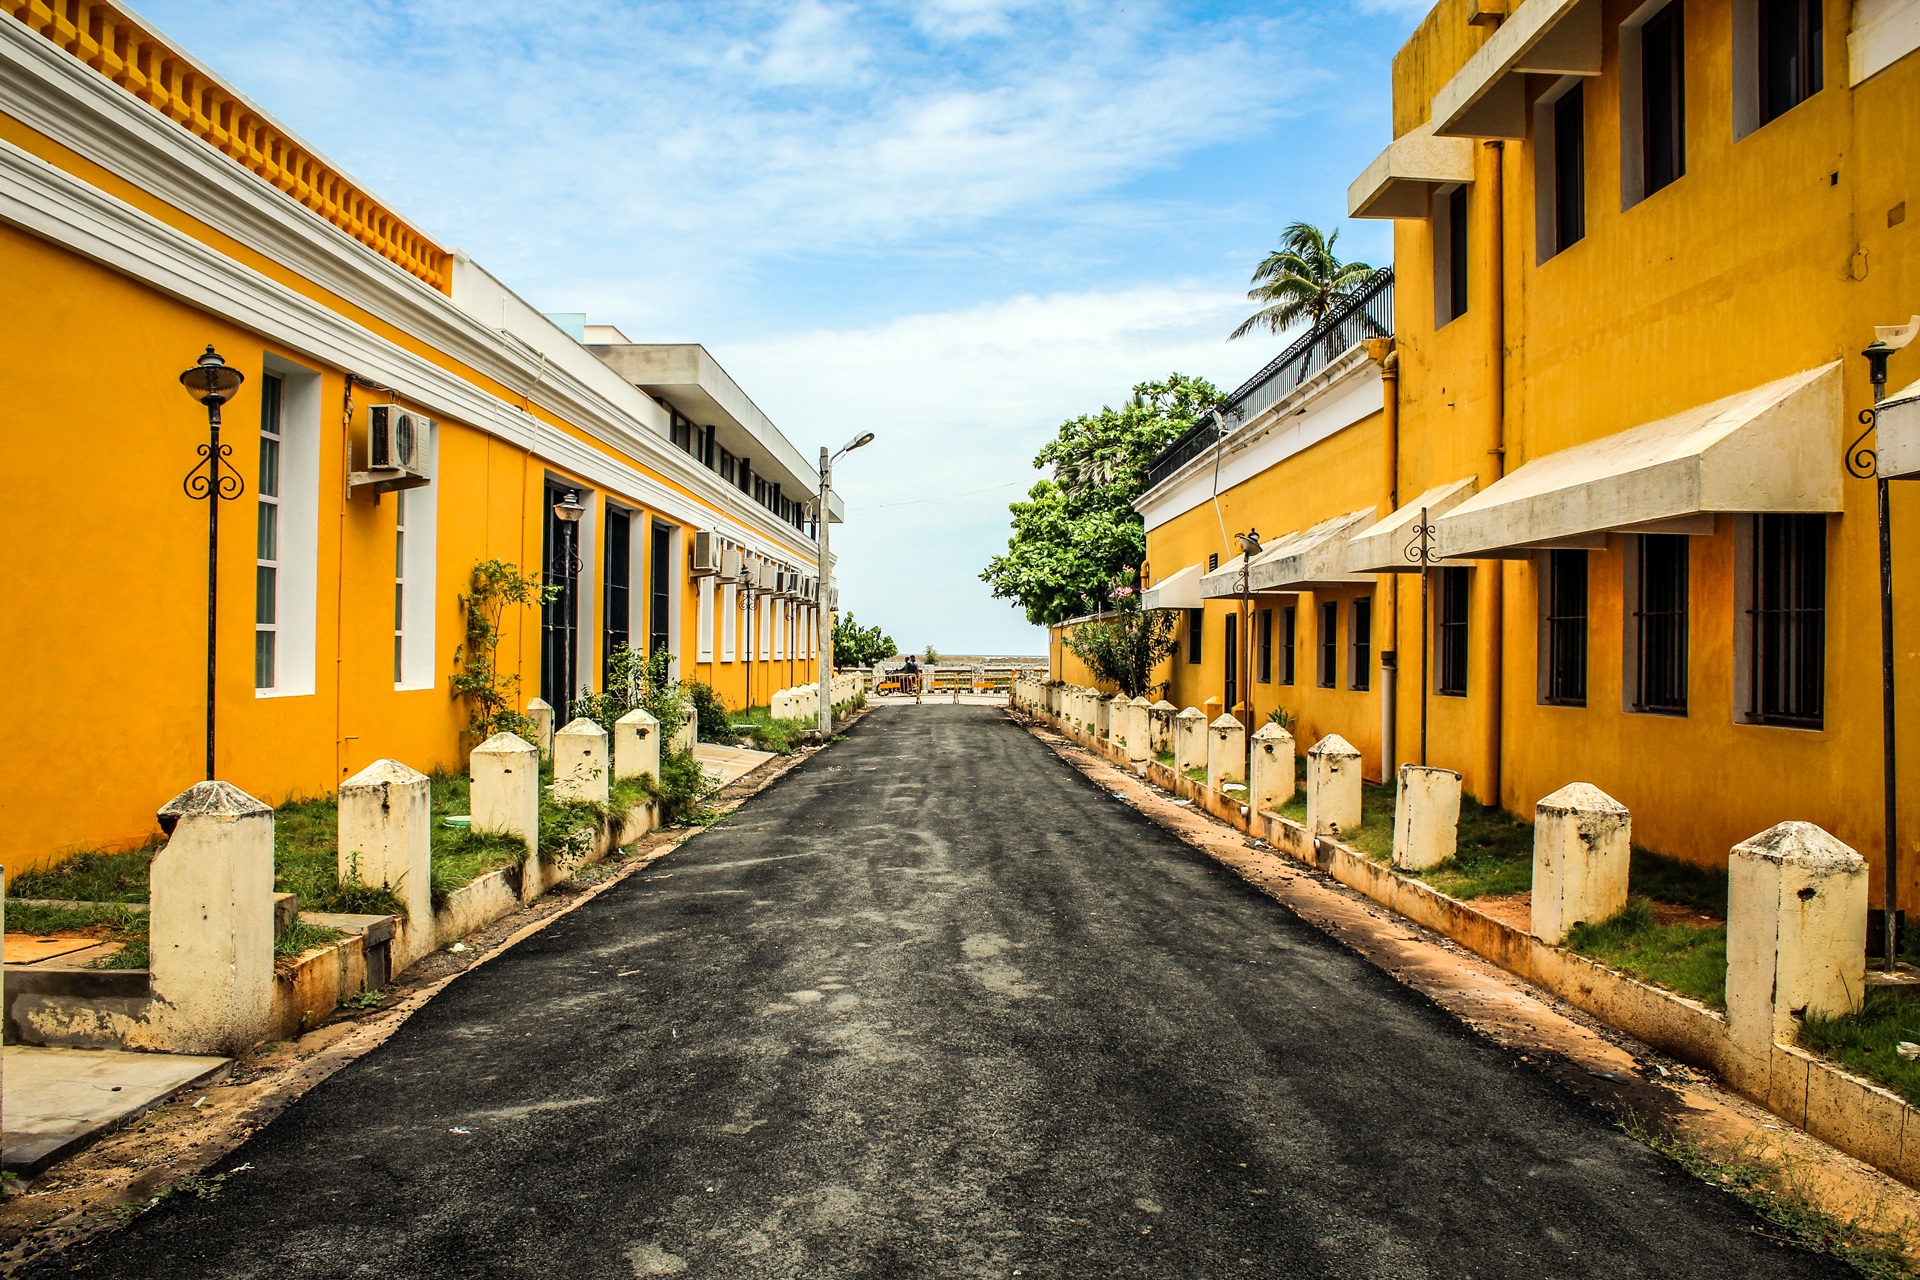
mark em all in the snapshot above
pixel 934 1005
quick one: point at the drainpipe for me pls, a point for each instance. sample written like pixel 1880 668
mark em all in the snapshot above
pixel 1497 462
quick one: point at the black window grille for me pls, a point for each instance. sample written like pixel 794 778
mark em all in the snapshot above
pixel 1566 627
pixel 1663 99
pixel 660 589
pixel 1569 169
pixel 1231 631
pixel 1457 253
pixel 559 617
pixel 619 611
pixel 1329 644
pixel 1360 645
pixel 1288 630
pixel 1450 662
pixel 1661 625
pixel 1789 620
pixel 1791 35
pixel 1263 640
pixel 1196 627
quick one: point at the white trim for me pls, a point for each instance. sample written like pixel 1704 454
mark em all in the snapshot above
pixel 729 620
pixel 418 651
pixel 54 93
pixel 703 644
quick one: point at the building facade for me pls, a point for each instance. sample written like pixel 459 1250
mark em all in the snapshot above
pixel 147 212
pixel 1639 250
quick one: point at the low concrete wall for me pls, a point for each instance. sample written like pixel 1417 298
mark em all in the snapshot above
pixel 1859 1117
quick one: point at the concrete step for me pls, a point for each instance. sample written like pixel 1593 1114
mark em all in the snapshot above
pixel 57 1101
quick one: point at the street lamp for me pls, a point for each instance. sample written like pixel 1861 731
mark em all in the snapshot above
pixel 823 616
pixel 567 510
pixel 213 480
pixel 1249 548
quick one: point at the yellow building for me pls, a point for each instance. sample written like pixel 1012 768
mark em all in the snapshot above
pixel 148 211
pixel 1639 249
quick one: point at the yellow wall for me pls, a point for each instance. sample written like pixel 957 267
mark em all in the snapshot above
pixel 1771 255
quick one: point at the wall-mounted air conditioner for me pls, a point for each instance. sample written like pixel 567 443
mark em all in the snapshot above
pixel 397 447
pixel 706 553
pixel 764 576
pixel 730 561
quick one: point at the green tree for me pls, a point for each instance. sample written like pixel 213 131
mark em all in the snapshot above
pixel 857 646
pixel 1124 647
pixel 1302 280
pixel 496 585
pixel 1077 533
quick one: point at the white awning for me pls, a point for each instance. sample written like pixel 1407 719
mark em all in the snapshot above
pixel 1774 448
pixel 1313 558
pixel 1487 98
pixel 1896 435
pixel 1390 546
pixel 1181 591
pixel 1400 181
pixel 1224 581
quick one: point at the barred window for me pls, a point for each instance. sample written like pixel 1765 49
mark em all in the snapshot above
pixel 1360 645
pixel 1564 651
pixel 1264 638
pixel 1660 625
pixel 1288 629
pixel 1329 644
pixel 1196 628
pixel 1788 616
pixel 1450 662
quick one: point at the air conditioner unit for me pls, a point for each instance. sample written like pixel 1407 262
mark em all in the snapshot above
pixel 706 553
pixel 730 561
pixel 809 587
pixel 397 441
pixel 764 574
pixel 790 583
pixel 833 598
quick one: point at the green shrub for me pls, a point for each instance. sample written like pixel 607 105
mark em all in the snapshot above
pixel 686 790
pixel 716 722
pixel 768 734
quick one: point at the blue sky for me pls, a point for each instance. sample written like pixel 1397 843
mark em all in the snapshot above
pixel 953 222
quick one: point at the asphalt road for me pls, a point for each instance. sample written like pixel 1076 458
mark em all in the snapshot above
pixel 934 1005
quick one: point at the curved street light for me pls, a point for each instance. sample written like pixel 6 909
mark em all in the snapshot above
pixel 213 480
pixel 823 615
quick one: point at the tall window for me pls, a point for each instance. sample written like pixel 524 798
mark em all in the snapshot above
pixel 1569 169
pixel 1564 651
pixel 1329 643
pixel 659 585
pixel 1288 630
pixel 1790 54
pixel 1196 626
pixel 559 617
pixel 1660 625
pixel 1360 644
pixel 618 611
pixel 1663 100
pixel 1263 640
pixel 266 606
pixel 1450 658
pixel 1231 632
pixel 399 586
pixel 1788 614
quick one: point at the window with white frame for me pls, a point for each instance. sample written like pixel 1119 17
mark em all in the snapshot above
pixel 266 598
pixel 287 530
pixel 704 651
pixel 416 517
pixel 399 586
pixel 729 620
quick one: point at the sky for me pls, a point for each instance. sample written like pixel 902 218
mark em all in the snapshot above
pixel 954 223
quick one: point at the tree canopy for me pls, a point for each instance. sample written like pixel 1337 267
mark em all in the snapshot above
pixel 1301 280
pixel 1077 534
pixel 858 646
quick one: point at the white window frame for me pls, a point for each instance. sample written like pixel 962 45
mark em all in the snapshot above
pixel 704 642
pixel 297 580
pixel 729 620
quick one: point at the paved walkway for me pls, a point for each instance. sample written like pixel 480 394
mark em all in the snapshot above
pixel 935 1006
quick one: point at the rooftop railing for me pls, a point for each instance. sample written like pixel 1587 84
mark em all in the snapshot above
pixel 1368 313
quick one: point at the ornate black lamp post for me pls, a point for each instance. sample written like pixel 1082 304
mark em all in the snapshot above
pixel 1249 548
pixel 1420 552
pixel 568 510
pixel 213 480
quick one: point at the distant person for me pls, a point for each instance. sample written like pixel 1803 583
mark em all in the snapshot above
pixel 910 677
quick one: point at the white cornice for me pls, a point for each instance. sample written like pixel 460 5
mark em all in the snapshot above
pixel 51 204
pixel 54 93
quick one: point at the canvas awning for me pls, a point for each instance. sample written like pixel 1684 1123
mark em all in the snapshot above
pixel 1896 432
pixel 1310 559
pixel 1179 591
pixel 1487 98
pixel 1400 181
pixel 1391 546
pixel 1774 448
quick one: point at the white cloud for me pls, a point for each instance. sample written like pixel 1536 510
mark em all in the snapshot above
pixel 961 401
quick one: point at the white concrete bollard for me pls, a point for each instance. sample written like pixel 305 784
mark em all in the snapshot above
pixel 688 733
pixel 210 921
pixel 1333 786
pixel 505 774
pixel 1160 727
pixel 1103 704
pixel 636 745
pixel 1796 932
pixel 1582 847
pixel 1133 727
pixel 540 711
pixel 1272 784
pixel 386 840
pixel 1189 740
pixel 580 762
pixel 1226 753
pixel 1426 816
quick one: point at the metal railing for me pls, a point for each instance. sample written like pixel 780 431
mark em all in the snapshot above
pixel 1367 314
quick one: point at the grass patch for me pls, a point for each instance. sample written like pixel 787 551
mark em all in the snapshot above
pixel 1761 1186
pixel 91 876
pixel 461 855
pixel 765 733
pixel 1687 958
pixel 1494 855
pixel 99 919
pixel 302 937
pixel 1164 757
pixel 1196 774
pixel 1866 1042
pixel 1374 835
pixel 1667 879
pixel 306 862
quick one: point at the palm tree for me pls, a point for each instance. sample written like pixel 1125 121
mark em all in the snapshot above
pixel 1301 280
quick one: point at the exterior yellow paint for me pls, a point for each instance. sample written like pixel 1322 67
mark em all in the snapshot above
pixel 1773 254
